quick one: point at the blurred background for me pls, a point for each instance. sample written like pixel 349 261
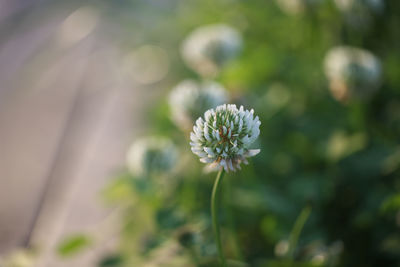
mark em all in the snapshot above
pixel 98 98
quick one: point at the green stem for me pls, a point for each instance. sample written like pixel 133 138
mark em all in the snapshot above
pixel 297 228
pixel 214 215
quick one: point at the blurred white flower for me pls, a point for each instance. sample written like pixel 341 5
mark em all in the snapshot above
pixel 281 248
pixel 321 254
pixel 208 48
pixel 358 13
pixel 319 259
pixel 189 99
pixel 224 136
pixel 353 73
pixel 294 7
pixel 151 155
pixel 354 5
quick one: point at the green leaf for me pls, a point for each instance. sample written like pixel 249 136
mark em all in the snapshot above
pixel 73 245
pixel 391 204
pixel 118 190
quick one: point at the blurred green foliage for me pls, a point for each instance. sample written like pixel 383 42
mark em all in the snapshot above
pixel 73 245
pixel 341 159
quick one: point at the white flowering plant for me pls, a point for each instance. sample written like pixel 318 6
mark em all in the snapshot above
pixel 223 140
pixel 308 76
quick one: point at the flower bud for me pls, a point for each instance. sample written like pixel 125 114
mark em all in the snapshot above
pixel 151 155
pixel 189 99
pixel 210 47
pixel 353 73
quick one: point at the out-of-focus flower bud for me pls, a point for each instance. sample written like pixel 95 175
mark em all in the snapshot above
pixel 295 7
pixel 281 248
pixel 189 99
pixel 151 155
pixel 353 73
pixel 358 13
pixel 210 47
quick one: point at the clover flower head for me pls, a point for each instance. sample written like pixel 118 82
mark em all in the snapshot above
pixel 151 155
pixel 210 47
pixel 224 136
pixel 353 73
pixel 189 99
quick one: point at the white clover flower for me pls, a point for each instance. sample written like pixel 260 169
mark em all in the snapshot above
pixel 353 73
pixel 208 48
pixel 151 155
pixel 224 136
pixel 189 99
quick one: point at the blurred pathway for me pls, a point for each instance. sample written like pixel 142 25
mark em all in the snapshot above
pixel 66 117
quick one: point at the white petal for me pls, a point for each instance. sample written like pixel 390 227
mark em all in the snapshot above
pixel 193 137
pixel 215 134
pixel 200 135
pixel 193 144
pixel 207 160
pixel 199 121
pixel 252 152
pixel 202 154
pixel 222 163
pixel 196 149
pixel 212 167
pixel 209 151
pixel 206 134
pixel 226 168
pixel 245 140
pixel 195 129
pixel 229 161
pixel 240 125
